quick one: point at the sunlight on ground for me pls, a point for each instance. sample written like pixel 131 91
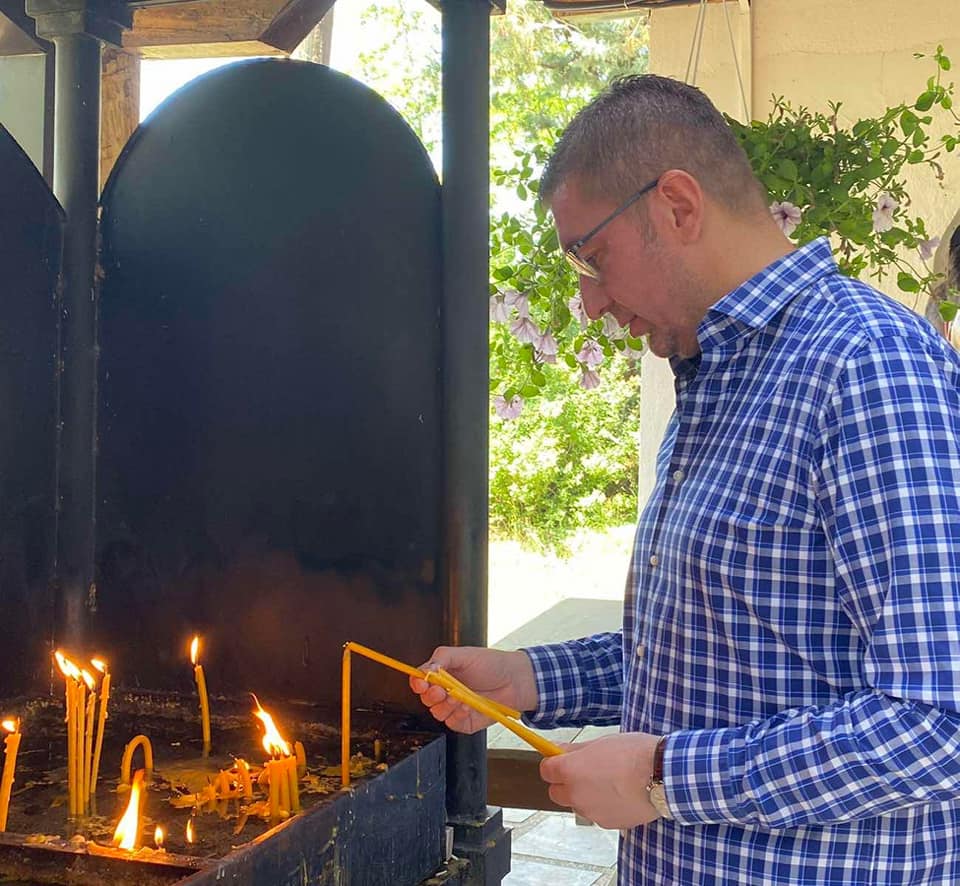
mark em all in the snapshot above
pixel 523 583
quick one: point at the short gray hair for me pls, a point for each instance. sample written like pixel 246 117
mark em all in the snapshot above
pixel 639 127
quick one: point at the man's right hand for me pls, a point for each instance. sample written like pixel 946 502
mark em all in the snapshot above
pixel 506 677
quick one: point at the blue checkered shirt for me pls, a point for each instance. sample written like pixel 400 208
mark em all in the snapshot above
pixel 792 613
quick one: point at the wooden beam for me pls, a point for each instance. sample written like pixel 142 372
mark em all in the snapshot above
pixel 119 104
pixel 200 22
pixel 297 19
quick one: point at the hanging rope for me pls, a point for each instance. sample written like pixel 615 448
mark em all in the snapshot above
pixel 693 61
pixel 736 63
pixel 696 49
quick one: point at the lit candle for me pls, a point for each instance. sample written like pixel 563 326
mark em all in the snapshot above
pixel 101 722
pixel 281 770
pixel 74 717
pixel 158 839
pixel 190 833
pixel 127 834
pixel 202 692
pixel 87 760
pixel 11 744
pixel 294 782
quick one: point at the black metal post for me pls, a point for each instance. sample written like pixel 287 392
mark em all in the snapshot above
pixel 76 185
pixel 479 834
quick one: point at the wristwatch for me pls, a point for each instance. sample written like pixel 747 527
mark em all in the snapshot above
pixel 655 787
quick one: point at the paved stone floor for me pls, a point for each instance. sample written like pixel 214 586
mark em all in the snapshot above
pixel 552 849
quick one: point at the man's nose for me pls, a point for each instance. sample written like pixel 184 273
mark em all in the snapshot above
pixel 594 303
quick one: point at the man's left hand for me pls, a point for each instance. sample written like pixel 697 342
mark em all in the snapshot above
pixel 605 780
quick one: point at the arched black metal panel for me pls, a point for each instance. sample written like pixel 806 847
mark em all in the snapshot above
pixel 269 469
pixel 30 242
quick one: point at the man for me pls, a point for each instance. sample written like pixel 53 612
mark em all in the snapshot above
pixel 787 678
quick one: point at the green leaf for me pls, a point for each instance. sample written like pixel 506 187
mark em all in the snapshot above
pixel 944 62
pixel 948 310
pixel 907 282
pixel 915 157
pixel 530 391
pixel 503 273
pixel 925 101
pixel 787 169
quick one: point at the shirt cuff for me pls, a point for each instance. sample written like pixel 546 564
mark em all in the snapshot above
pixel 701 771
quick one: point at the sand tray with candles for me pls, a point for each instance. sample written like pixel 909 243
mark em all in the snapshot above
pixel 185 788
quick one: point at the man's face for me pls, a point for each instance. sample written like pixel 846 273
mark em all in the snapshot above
pixel 641 279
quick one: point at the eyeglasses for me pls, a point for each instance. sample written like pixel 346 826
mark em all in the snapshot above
pixel 572 253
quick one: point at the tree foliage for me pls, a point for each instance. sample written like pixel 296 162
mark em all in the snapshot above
pixel 570 461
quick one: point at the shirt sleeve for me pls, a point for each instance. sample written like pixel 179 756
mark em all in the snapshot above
pixel 579 682
pixel 886 473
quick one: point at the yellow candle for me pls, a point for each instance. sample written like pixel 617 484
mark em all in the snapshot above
pixel 11 744
pixel 492 709
pixel 89 716
pixel 101 722
pixel 281 771
pixel 202 692
pixel 294 784
pixel 243 774
pixel 345 718
pixel 274 776
pixel 301 755
pixel 127 762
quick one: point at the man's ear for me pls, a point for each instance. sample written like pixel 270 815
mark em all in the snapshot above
pixel 684 199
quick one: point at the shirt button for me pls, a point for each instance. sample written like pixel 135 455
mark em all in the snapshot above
pixel 641 649
pixel 654 560
pixel 678 475
pixel 560 712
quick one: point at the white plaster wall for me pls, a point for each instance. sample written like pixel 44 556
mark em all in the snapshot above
pixel 21 102
pixel 860 52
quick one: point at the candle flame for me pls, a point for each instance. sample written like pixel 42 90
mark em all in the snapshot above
pixel 158 837
pixel 68 668
pixel 10 725
pixel 88 679
pixel 128 830
pixel 190 835
pixel 99 664
pixel 194 649
pixel 273 741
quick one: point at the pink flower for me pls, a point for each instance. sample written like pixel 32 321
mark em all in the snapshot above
pixel 510 409
pixel 591 354
pixel 883 214
pixel 547 343
pixel 576 308
pixel 612 328
pixel 499 312
pixel 632 353
pixel 927 248
pixel 786 215
pixel 547 348
pixel 589 379
pixel 525 330
pixel 517 300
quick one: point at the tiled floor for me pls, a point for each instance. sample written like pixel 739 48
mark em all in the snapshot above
pixel 550 847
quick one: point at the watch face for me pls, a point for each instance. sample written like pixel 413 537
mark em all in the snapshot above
pixel 658 797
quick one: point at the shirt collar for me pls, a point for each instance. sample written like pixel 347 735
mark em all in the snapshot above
pixel 754 303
